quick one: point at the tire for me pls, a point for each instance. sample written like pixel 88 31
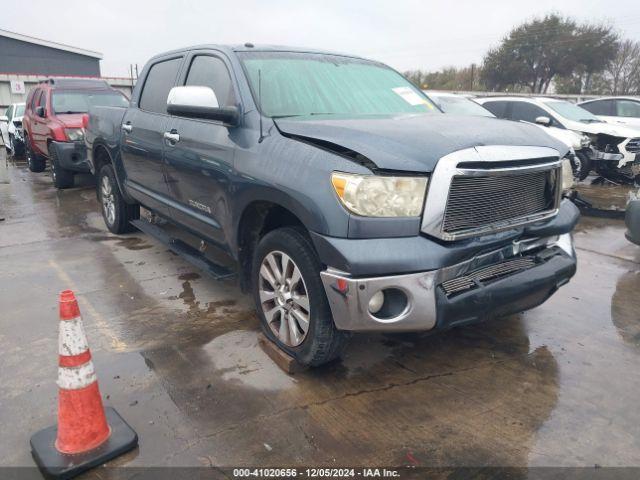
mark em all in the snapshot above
pixel 115 211
pixel 581 165
pixel 35 162
pixel 62 178
pixel 322 342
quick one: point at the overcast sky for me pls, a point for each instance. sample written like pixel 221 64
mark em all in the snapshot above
pixel 405 34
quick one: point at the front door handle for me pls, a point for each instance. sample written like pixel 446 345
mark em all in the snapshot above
pixel 172 137
pixel 127 127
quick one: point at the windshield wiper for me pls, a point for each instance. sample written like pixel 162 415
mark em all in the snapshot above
pixel 68 112
pixel 591 120
pixel 302 115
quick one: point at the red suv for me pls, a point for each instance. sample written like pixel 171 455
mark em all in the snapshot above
pixel 53 124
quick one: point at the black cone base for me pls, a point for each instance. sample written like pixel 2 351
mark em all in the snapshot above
pixel 60 465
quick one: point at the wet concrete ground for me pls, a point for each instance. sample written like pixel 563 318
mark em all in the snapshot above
pixel 176 354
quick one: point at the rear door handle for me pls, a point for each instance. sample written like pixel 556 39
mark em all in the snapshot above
pixel 127 127
pixel 172 137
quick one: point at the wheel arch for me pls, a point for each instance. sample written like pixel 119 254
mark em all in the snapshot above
pixel 258 218
pixel 101 155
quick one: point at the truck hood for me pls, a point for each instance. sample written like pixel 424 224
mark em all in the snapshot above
pixel 70 120
pixel 412 142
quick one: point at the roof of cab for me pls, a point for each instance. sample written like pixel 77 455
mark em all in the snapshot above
pixel 248 47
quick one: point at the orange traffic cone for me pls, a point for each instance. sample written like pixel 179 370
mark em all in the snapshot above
pixel 83 436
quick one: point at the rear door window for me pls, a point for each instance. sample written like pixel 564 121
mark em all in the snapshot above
pixel 599 107
pixel 160 79
pixel 498 108
pixel 209 71
pixel 628 108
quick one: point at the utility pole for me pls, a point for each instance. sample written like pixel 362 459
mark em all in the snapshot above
pixel 473 73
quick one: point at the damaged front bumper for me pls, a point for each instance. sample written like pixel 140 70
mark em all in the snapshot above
pixel 514 278
pixel 606 156
pixel 72 156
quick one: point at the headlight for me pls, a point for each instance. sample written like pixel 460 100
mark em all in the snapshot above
pixel 567 175
pixel 74 134
pixel 380 196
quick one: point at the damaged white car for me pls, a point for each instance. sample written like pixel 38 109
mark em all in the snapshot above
pixel 614 150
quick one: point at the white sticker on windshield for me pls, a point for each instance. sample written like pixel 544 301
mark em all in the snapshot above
pixel 409 96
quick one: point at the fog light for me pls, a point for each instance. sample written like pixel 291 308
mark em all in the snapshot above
pixel 376 302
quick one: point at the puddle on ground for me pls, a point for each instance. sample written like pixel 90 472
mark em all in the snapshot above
pixel 625 308
pixel 130 243
pixel 189 276
pixel 607 196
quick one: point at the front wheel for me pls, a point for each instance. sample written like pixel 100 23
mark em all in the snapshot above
pixel 290 298
pixel 115 211
pixel 581 165
pixel 35 162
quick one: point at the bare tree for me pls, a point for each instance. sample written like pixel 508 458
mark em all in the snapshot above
pixel 623 71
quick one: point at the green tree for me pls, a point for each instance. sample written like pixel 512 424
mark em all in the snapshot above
pixel 593 49
pixel 532 55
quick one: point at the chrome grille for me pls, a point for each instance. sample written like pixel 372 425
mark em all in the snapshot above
pixel 481 201
pixel 492 272
pixel 634 145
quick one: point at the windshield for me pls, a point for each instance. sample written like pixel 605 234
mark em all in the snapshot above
pixel 80 101
pixel 302 84
pixel 572 112
pixel 19 110
pixel 460 106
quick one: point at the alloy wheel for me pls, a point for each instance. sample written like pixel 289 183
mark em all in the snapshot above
pixel 108 200
pixel 284 298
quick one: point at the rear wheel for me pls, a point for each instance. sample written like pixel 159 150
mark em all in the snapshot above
pixel 290 298
pixel 62 178
pixel 115 211
pixel 35 162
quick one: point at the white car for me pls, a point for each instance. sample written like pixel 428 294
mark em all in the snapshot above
pixel 466 105
pixel 623 110
pixel 11 128
pixel 615 149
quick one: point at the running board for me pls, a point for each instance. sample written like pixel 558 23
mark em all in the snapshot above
pixel 187 252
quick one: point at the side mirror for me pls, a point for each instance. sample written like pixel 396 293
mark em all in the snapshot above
pixel 41 112
pixel 199 102
pixel 542 120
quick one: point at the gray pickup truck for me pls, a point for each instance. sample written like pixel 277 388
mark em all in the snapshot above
pixel 347 200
